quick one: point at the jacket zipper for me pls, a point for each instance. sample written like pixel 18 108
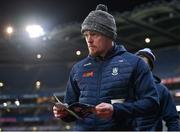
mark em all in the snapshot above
pixel 99 81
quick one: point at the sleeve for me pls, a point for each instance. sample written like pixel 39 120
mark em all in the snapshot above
pixel 72 94
pixel 169 112
pixel 147 98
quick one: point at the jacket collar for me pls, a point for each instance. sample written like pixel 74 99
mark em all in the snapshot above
pixel 116 49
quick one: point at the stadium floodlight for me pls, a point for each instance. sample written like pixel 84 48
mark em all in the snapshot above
pixel 5 104
pixel 78 52
pixel 38 85
pixel 9 30
pixel 17 102
pixel 38 56
pixel 1 84
pixel 147 40
pixel 35 31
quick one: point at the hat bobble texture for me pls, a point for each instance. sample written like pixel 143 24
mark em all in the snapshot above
pixel 100 21
pixel 102 7
pixel 146 52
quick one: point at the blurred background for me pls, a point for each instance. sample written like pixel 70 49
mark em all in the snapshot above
pixel 40 40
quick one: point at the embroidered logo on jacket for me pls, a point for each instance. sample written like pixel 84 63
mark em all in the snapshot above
pixel 87 64
pixel 121 61
pixel 115 71
pixel 88 74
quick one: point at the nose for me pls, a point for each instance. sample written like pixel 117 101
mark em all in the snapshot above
pixel 89 39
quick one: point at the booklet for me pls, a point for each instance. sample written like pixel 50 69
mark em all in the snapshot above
pixel 77 109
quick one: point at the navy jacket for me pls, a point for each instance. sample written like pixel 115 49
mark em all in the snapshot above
pixel 167 112
pixel 121 77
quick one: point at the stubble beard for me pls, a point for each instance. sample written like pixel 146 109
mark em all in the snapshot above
pixel 94 53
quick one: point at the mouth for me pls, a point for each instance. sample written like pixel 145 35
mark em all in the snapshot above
pixel 91 47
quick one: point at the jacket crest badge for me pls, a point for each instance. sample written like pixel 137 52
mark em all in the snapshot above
pixel 115 71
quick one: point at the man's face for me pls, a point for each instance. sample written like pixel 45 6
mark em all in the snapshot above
pixel 145 59
pixel 98 44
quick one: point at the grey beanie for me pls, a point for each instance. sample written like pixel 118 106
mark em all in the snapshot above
pixel 149 54
pixel 101 21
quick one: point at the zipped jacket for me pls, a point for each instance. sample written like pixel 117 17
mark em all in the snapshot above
pixel 119 78
pixel 167 112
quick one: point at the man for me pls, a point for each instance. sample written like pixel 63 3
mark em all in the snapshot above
pixel 167 110
pixel 118 83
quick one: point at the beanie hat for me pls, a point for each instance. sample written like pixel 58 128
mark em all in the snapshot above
pixel 146 52
pixel 101 21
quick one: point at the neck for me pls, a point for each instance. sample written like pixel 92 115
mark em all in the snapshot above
pixel 108 49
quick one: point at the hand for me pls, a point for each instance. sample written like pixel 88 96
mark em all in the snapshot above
pixel 59 112
pixel 104 110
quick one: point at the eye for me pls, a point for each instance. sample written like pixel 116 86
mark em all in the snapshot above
pixel 85 35
pixel 95 33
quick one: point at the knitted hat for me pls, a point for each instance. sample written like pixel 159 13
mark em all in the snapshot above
pixel 101 21
pixel 146 52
